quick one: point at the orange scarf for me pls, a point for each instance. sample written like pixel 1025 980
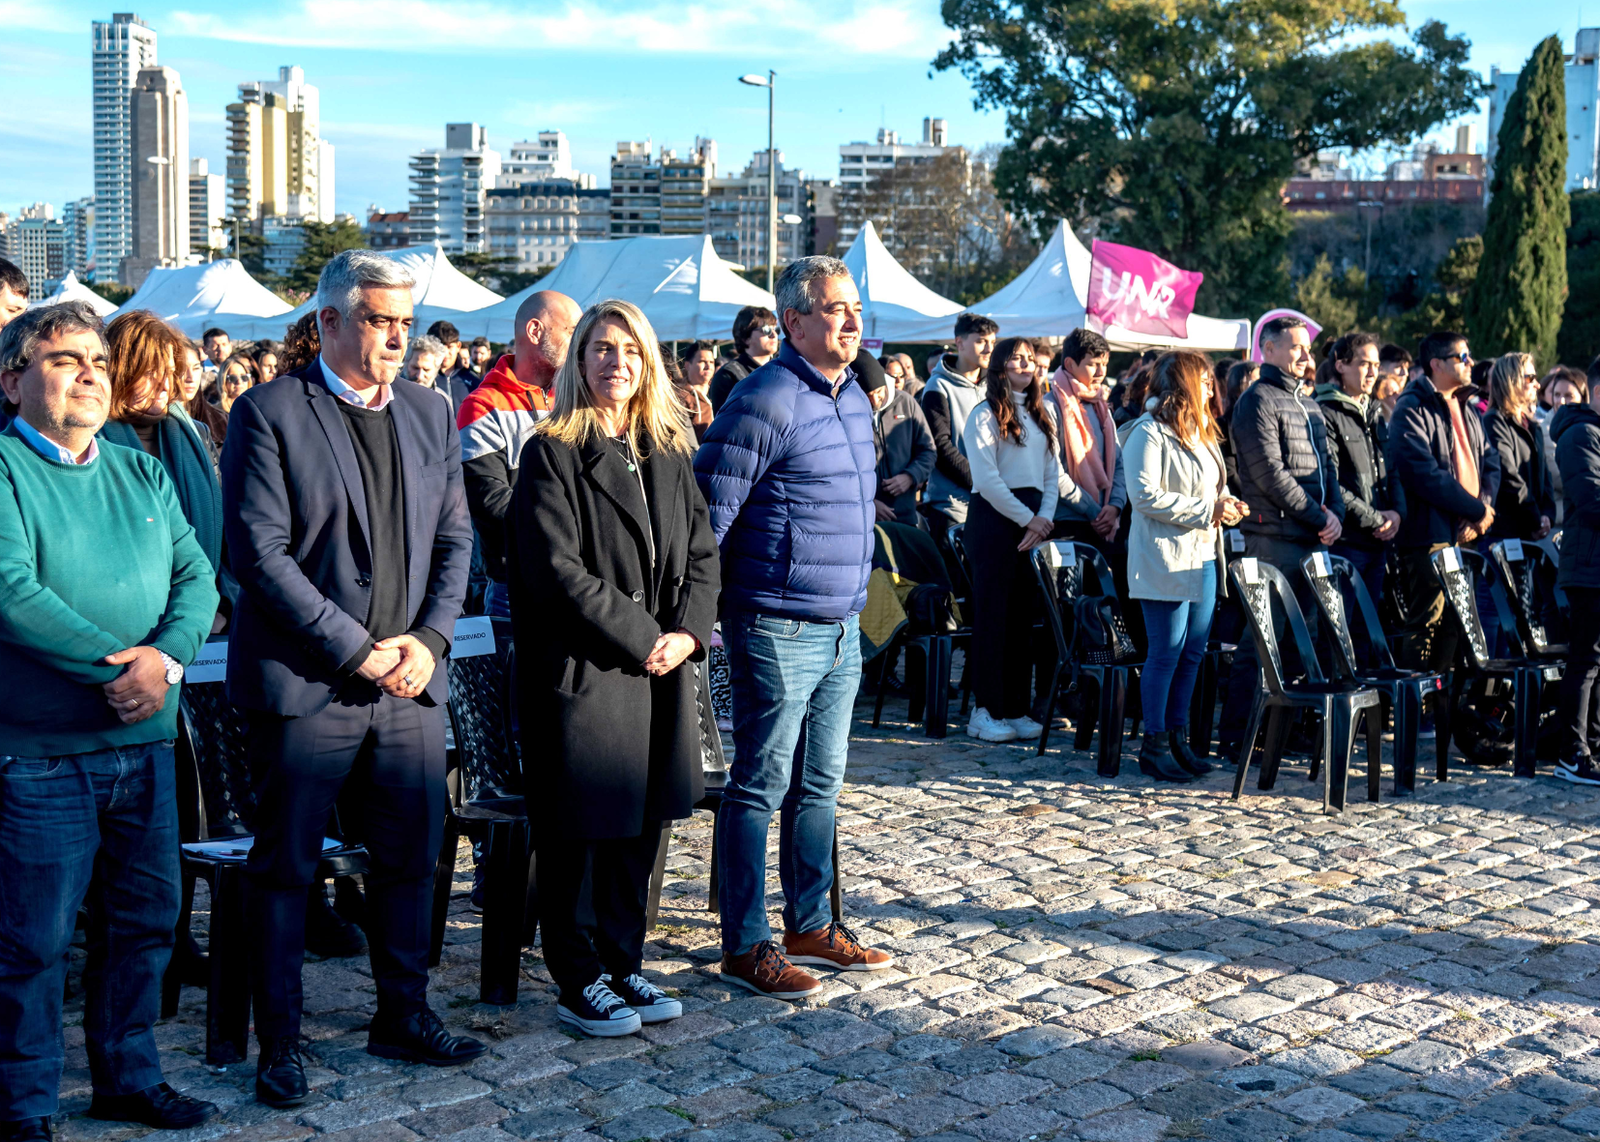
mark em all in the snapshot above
pixel 1090 470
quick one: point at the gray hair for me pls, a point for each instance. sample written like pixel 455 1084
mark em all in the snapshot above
pixel 422 343
pixel 21 337
pixel 793 287
pixel 342 278
pixel 1278 328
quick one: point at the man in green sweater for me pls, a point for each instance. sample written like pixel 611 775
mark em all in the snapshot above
pixel 105 596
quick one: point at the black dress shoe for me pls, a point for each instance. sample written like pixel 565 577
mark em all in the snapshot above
pixel 26 1130
pixel 329 934
pixel 1187 759
pixel 420 1038
pixel 159 1106
pixel 281 1074
pixel 1155 761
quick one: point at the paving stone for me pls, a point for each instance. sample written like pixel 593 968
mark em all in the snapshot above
pixel 1259 1080
pixel 1124 1126
pixel 998 1088
pixel 1317 1104
pixel 1085 1099
pixel 1204 1057
pixel 1317 1061
pixel 809 1117
pixel 1014 1124
pixel 652 1124
pixel 928 1115
pixel 1425 1056
pixel 554 1122
pixel 1376 1124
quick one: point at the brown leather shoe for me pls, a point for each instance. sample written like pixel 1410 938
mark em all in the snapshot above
pixel 834 947
pixel 765 971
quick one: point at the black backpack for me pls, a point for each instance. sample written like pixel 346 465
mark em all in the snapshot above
pixel 1101 634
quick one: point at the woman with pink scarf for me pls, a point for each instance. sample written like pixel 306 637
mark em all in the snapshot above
pixel 1087 442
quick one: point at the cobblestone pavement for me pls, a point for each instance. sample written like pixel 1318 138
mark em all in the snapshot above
pixel 1076 958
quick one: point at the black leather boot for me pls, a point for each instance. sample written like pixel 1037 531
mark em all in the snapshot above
pixel 1155 760
pixel 1187 759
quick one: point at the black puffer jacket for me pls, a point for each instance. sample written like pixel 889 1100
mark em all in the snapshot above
pixel 1357 438
pixel 1576 429
pixel 1286 471
pixel 1422 465
pixel 1525 490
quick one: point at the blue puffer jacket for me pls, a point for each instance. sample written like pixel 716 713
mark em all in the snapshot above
pixel 788 473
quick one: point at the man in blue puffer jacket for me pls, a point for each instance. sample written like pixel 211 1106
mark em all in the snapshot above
pixel 788 470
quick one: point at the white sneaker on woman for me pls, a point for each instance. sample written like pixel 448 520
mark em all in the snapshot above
pixel 1025 726
pixel 988 728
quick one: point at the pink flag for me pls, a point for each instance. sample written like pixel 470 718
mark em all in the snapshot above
pixel 1139 291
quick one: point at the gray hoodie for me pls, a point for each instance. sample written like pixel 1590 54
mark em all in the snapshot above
pixel 947 402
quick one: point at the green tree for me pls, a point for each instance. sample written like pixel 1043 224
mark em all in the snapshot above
pixel 323 241
pixel 1580 323
pixel 497 272
pixel 112 292
pixel 1444 307
pixel 252 253
pixel 1334 301
pixel 1515 303
pixel 1172 124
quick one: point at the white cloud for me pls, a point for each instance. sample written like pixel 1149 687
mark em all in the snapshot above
pixel 752 30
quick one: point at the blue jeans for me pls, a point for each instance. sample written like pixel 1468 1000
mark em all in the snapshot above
pixel 794 687
pixel 1177 633
pixel 101 827
pixel 497 601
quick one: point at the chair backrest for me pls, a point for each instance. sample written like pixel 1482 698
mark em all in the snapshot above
pixel 1551 546
pixel 1526 577
pixel 1257 583
pixel 956 560
pixel 1329 575
pixel 1068 573
pixel 1458 569
pixel 483 721
pixel 218 736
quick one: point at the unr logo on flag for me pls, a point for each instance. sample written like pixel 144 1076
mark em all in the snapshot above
pixel 1138 291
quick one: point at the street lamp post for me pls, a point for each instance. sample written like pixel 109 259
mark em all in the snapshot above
pixel 770 83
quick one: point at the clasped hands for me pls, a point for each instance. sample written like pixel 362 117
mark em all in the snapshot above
pixel 670 650
pixel 400 666
pixel 140 691
pixel 1229 512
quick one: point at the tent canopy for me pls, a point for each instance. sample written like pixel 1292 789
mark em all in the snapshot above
pixel 221 294
pixel 440 291
pixel 686 290
pixel 894 305
pixel 1048 300
pixel 71 289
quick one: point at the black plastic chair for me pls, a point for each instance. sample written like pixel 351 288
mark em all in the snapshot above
pixel 1339 703
pixel 1059 566
pixel 487 805
pixel 912 554
pixel 1526 577
pixel 1402 690
pixel 217 803
pixel 955 556
pixel 1457 569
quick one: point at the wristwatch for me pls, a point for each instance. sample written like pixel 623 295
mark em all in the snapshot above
pixel 174 668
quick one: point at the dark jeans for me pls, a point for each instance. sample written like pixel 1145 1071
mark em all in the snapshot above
pixel 1433 648
pixel 100 827
pixel 1006 603
pixel 794 686
pixel 385 756
pixel 592 897
pixel 1369 564
pixel 1576 713
pixel 1285 555
pixel 1178 632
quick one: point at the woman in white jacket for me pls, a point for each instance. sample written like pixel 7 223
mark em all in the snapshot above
pixel 1178 491
pixel 1010 441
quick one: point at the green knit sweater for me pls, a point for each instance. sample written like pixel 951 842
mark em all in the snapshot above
pixel 94 559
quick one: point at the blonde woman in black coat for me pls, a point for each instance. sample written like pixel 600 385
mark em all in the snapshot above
pixel 614 577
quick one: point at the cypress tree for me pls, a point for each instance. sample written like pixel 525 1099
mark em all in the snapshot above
pixel 1580 324
pixel 1516 301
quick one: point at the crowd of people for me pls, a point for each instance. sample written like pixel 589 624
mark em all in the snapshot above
pixel 327 502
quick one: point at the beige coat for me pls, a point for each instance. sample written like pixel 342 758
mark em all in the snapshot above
pixel 1171 541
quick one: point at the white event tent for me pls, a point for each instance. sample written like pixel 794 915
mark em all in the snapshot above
pixel 440 292
pixel 895 306
pixel 71 289
pixel 684 287
pixel 220 294
pixel 1047 300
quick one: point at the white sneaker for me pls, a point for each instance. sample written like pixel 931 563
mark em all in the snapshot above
pixel 1026 727
pixel 988 728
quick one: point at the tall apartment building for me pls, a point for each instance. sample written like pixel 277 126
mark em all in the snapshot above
pixel 685 182
pixel 78 215
pixel 208 206
pixel 122 47
pixel 543 159
pixel 39 243
pixel 736 214
pixel 536 223
pixel 1583 110
pixel 159 114
pixel 859 163
pixel 278 161
pixel 449 186
pixel 660 192
pixel 388 230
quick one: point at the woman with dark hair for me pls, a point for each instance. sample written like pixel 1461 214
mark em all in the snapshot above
pixel 1179 496
pixel 1133 394
pixel 145 359
pixel 1241 375
pixel 265 355
pixel 301 345
pixel 189 398
pixel 1016 480
pixel 693 384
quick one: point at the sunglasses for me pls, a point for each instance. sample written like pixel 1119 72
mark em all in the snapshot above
pixel 1464 358
pixel 767 330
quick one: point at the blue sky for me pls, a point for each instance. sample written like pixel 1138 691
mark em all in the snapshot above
pixel 393 74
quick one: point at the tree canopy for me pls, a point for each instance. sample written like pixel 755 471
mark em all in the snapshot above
pixel 324 240
pixel 1172 124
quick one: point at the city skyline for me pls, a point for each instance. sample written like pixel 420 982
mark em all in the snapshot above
pixel 842 74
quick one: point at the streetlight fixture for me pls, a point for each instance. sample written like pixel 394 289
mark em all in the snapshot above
pixel 770 82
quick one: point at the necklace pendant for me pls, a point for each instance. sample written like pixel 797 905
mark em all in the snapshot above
pixel 631 468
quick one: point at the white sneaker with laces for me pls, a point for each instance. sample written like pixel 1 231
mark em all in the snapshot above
pixel 987 728
pixel 1025 726
pixel 652 1004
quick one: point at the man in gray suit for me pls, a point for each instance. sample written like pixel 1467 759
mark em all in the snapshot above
pixel 347 528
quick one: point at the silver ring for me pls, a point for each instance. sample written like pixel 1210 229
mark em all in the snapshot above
pixel 408 680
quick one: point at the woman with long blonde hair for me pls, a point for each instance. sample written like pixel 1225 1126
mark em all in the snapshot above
pixel 614 575
pixel 1178 490
pixel 1525 506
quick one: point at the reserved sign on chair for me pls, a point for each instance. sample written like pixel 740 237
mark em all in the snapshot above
pixel 474 636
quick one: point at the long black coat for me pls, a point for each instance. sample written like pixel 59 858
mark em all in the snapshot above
pixel 607 748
